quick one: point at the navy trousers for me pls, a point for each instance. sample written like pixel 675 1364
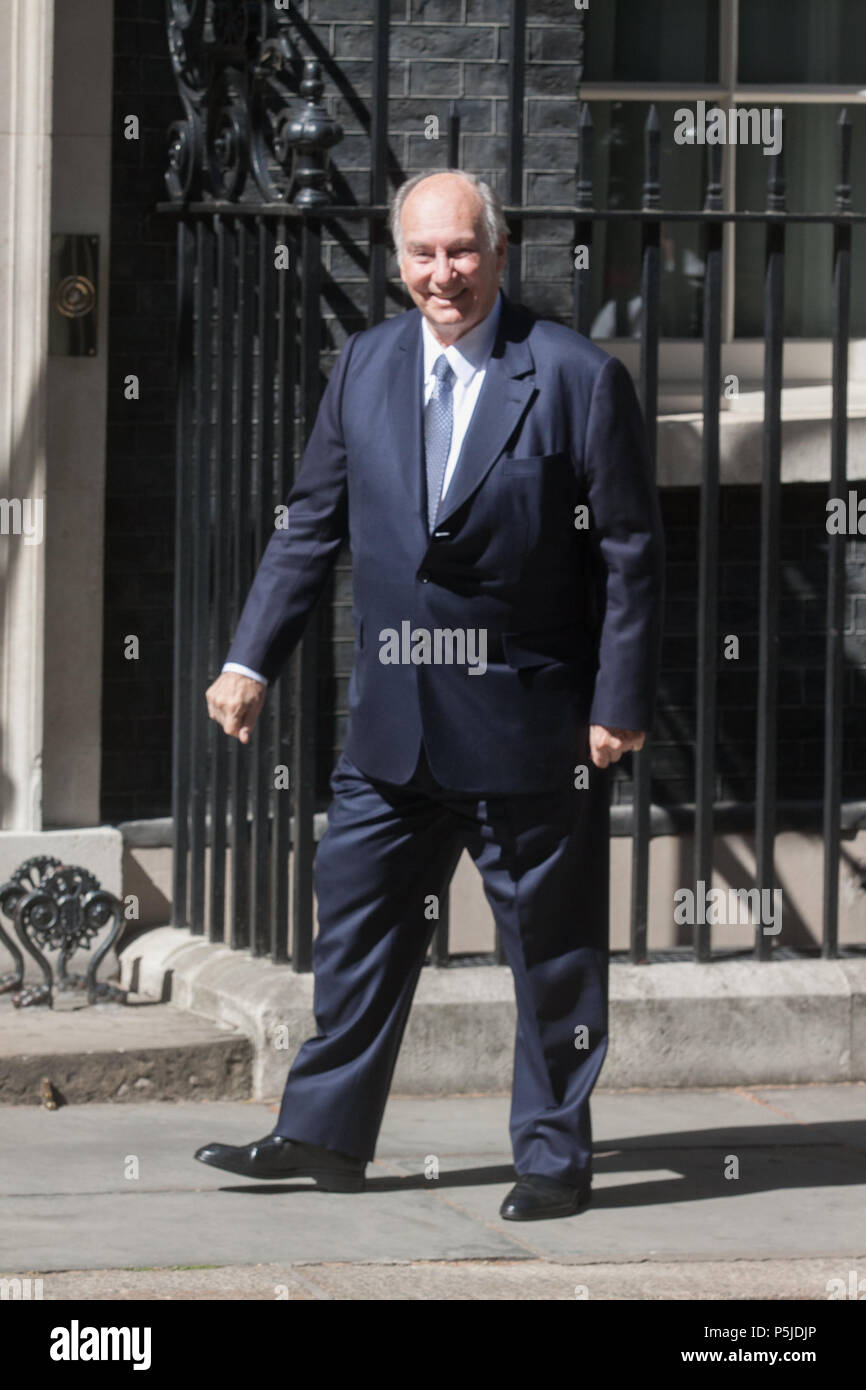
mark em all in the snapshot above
pixel 388 853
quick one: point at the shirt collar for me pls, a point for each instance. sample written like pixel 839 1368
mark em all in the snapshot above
pixel 471 352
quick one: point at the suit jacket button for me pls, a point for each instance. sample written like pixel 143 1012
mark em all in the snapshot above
pixel 424 576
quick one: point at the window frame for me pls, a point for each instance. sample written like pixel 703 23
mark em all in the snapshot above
pixel 805 358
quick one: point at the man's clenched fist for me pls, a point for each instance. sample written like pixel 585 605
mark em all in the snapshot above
pixel 235 702
pixel 608 745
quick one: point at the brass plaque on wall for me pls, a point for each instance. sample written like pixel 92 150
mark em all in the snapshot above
pixel 73 295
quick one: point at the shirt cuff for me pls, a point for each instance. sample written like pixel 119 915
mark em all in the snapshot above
pixel 244 671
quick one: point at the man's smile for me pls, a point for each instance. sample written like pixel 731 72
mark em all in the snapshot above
pixel 447 298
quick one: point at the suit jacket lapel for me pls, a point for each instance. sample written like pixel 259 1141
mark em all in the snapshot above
pixel 405 412
pixel 500 406
pixel 502 401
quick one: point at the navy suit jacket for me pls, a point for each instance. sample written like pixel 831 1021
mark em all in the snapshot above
pixel 571 612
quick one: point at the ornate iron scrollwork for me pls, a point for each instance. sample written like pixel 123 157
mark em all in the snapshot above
pixel 57 907
pixel 254 128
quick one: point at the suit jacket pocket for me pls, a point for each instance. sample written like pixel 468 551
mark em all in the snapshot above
pixel 532 466
pixel 554 645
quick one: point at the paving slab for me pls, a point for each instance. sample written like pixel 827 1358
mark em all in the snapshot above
pixel 87 1149
pixel 836 1113
pixel 788 1202
pixel 232 1225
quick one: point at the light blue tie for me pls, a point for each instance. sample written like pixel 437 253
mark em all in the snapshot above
pixel 438 421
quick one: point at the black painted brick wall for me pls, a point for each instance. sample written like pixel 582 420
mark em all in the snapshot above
pixel 139 493
pixel 441 49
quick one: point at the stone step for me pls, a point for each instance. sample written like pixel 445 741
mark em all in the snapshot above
pixel 137 1051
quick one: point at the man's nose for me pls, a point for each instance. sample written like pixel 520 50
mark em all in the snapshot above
pixel 443 269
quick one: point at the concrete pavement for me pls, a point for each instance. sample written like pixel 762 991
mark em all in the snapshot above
pixel 730 1193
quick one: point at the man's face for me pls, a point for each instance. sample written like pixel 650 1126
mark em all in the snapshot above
pixel 451 276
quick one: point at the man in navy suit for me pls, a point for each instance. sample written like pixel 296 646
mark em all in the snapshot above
pixel 490 471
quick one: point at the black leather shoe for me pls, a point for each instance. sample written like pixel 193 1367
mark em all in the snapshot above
pixel 276 1157
pixel 537 1198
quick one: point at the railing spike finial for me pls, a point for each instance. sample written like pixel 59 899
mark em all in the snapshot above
pixel 776 174
pixel 843 162
pixel 453 127
pixel 652 193
pixel 713 195
pixel 311 135
pixel 586 130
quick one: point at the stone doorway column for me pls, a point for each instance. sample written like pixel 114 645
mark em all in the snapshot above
pixel 26 61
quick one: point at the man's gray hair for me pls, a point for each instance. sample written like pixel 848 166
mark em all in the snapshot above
pixel 493 224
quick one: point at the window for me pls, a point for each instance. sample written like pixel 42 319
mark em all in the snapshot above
pixel 667 41
pixel 792 41
pixel 807 57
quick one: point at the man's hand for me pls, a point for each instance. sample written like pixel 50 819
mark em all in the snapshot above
pixel 235 702
pixel 607 746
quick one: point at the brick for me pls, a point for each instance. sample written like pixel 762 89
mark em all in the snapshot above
pixel 441 79
pixel 557 115
pixel 680 616
pixel 142 36
pixel 127 74
pixel 678 652
pixel 142 554
pixel 738 580
pixel 546 262
pixel 324 11
pixel 561 12
pixel 485 151
pixel 552 79
pixel 457 41
pixel 549 152
pixel 427 154
pixel 354 152
pixel 357 76
pixel 485 79
pixel 352 41
pixel 409 115
pixel 340 331
pixel 551 189
pixel 488 11
pixel 156 76
pixel 349 263
pixel 436 11
pixel 353 116
pixel 557 43
pixel 150 733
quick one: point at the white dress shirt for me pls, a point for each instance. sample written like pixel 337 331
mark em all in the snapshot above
pixel 468 358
